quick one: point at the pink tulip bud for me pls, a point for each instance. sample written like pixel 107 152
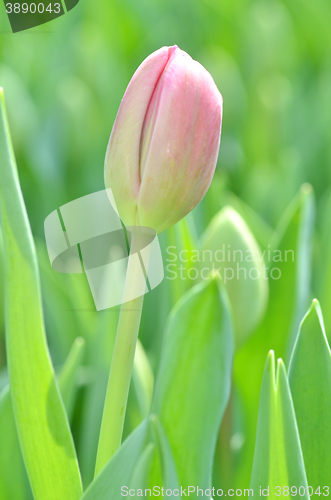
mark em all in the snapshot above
pixel 163 148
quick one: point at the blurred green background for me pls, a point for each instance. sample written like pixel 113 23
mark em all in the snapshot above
pixel 63 84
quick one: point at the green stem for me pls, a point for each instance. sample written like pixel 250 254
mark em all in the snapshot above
pixel 121 369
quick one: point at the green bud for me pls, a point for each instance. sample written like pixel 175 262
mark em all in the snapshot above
pixel 231 253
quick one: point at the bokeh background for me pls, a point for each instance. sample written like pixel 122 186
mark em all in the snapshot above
pixel 63 83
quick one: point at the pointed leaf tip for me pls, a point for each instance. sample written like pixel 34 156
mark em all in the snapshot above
pixel 310 382
pixel 278 457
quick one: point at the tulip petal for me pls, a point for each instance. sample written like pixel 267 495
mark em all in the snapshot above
pixel 183 149
pixel 152 111
pixel 122 157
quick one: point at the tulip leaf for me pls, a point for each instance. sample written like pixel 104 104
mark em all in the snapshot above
pixel 278 460
pixel 13 479
pixel 291 292
pixel 310 381
pixel 43 429
pixel 290 252
pixel 118 472
pixel 324 285
pixel 193 382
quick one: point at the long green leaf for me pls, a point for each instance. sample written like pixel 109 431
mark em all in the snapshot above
pixel 193 382
pixel 13 478
pixel 278 460
pixel 324 284
pixel 288 302
pixel 43 429
pixel 310 381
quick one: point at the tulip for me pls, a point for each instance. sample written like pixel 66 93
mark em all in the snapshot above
pixel 160 161
pixel 164 144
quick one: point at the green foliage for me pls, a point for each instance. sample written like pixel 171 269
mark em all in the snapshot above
pixel 323 271
pixel 63 83
pixel 278 460
pixel 310 381
pixel 39 412
pixel 13 479
pixel 289 294
pixel 193 381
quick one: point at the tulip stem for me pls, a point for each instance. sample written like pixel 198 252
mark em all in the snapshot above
pixel 121 366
